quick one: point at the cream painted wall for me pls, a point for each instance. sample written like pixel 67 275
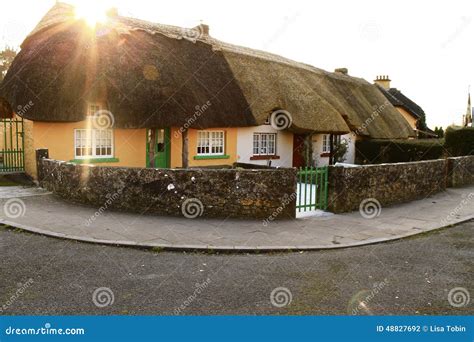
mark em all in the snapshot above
pixel 230 150
pixel 284 147
pixel 30 154
pixel 411 120
pixel 58 138
pixel 324 161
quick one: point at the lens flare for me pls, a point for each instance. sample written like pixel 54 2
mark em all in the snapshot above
pixel 92 13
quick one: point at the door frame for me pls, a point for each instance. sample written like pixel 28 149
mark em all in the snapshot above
pixel 298 150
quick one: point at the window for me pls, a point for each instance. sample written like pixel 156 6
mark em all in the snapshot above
pixel 210 143
pixel 93 143
pixel 327 142
pixel 264 144
pixel 92 108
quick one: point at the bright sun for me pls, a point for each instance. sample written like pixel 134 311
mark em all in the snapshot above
pixel 92 12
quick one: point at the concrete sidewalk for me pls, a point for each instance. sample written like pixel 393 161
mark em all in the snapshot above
pixel 43 213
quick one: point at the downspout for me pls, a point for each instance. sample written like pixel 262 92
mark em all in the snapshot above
pixel 331 149
pixel 185 149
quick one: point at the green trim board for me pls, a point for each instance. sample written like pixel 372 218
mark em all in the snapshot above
pixel 223 156
pixel 95 160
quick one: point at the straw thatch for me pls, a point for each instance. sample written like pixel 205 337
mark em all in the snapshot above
pixel 157 75
pixel 6 111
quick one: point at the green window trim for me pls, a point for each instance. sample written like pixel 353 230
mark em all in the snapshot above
pixel 211 156
pixel 95 160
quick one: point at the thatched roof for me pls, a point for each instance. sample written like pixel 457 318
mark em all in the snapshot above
pixel 156 75
pixel 6 111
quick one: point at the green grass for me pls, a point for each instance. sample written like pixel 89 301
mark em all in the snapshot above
pixel 4 181
pixel 7 183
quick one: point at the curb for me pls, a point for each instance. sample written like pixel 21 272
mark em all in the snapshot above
pixel 241 249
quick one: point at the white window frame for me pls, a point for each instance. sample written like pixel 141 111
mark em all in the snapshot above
pixel 327 142
pixel 92 136
pixel 259 146
pixel 210 142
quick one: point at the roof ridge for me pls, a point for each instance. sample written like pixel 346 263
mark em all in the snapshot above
pixel 178 32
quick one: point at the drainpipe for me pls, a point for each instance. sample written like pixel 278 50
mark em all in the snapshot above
pixel 151 147
pixel 185 149
pixel 331 149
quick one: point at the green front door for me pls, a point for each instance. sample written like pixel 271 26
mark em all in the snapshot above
pixel 158 147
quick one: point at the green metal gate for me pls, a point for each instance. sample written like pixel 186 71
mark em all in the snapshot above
pixel 312 189
pixel 12 156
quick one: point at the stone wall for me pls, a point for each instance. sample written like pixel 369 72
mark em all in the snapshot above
pixel 387 183
pixel 193 192
pixel 461 171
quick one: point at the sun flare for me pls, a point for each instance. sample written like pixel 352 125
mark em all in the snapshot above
pixel 92 13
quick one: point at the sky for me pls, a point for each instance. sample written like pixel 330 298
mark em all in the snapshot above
pixel 426 47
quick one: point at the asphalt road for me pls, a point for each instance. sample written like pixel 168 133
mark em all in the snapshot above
pixel 46 276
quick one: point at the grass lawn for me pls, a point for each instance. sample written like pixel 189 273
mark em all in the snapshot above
pixel 7 182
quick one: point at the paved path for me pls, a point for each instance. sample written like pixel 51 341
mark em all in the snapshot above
pixel 20 191
pixel 49 215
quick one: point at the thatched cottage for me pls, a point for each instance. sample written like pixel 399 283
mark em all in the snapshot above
pixel 135 93
pixel 410 110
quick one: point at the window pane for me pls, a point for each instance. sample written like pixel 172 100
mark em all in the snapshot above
pixel 210 142
pixel 256 143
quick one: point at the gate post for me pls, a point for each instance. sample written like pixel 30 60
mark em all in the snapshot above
pixel 41 153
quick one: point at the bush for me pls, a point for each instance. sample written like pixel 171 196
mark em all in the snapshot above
pixel 397 151
pixel 459 141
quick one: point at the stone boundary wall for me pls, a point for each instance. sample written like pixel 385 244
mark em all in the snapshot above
pixel 461 171
pixel 223 193
pixel 387 183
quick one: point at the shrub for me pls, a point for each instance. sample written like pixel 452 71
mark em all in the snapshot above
pixel 397 151
pixel 340 151
pixel 460 141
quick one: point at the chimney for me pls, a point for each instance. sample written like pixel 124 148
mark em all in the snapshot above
pixel 343 71
pixel 383 81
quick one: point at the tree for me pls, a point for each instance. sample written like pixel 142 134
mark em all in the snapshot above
pixel 439 131
pixel 340 151
pixel 6 58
